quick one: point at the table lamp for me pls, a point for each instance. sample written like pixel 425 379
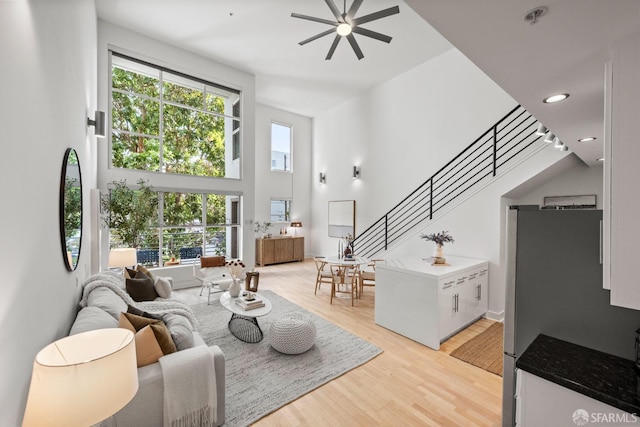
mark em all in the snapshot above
pixel 296 224
pixel 123 257
pixel 82 379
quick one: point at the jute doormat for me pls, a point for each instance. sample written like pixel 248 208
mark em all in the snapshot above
pixel 484 350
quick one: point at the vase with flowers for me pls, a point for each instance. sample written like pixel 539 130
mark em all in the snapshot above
pixel 348 245
pixel 261 227
pixel 235 267
pixel 439 239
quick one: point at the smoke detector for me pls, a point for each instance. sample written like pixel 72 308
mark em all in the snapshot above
pixel 534 14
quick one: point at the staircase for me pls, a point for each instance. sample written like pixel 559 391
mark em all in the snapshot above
pixel 502 144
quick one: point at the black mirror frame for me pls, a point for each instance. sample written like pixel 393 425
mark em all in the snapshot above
pixel 63 240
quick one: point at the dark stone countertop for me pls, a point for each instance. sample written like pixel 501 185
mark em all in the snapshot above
pixel 601 376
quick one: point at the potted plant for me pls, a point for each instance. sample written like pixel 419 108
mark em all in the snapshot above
pixel 262 227
pixel 439 239
pixel 128 213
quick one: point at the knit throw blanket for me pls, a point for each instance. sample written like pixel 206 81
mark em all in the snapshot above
pixel 189 388
pixel 159 306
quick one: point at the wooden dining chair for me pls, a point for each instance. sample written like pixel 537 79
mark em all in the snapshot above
pixel 368 276
pixel 346 275
pixel 323 275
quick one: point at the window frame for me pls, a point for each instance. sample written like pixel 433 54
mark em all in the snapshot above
pixel 287 209
pixel 233 142
pixel 290 127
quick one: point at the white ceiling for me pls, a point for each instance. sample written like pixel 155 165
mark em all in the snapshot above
pixel 262 38
pixel 564 52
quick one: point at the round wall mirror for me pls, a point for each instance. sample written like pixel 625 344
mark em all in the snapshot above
pixel 71 209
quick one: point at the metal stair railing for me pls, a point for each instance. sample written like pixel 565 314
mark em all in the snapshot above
pixel 481 160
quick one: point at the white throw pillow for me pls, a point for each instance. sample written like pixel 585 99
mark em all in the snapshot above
pixel 163 287
pixel 180 330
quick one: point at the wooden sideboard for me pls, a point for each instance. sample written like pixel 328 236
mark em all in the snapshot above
pixel 275 250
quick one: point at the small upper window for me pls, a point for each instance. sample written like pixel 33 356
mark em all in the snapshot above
pixel 280 211
pixel 280 147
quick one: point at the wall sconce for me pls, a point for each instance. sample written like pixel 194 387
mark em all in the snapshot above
pixel 323 177
pixel 356 172
pixel 99 123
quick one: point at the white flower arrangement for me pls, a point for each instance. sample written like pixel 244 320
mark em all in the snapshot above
pixel 235 268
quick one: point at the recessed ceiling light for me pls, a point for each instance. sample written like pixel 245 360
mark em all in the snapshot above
pixel 555 98
pixel 587 139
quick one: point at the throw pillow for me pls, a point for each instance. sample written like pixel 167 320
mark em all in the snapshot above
pixel 148 350
pixel 145 270
pixel 141 288
pixel 135 310
pixel 163 336
pixel 162 287
pixel 129 273
pixel 180 329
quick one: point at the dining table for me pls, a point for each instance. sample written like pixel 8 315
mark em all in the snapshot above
pixel 343 263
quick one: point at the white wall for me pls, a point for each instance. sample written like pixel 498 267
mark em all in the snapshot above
pixel 403 131
pixel 156 52
pixel 399 133
pixel 48 89
pixel 274 185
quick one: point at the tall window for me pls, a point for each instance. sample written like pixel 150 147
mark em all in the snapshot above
pixel 280 147
pixel 165 121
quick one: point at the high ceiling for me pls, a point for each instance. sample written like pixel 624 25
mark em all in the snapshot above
pixel 262 38
pixel 564 51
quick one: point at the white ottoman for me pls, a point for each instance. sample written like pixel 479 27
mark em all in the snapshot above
pixel 293 333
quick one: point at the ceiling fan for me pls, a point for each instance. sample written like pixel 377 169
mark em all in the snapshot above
pixel 346 24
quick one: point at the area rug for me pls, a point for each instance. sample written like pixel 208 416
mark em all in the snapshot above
pixel 484 350
pixel 260 380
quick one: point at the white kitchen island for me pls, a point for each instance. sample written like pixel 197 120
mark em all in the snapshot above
pixel 430 303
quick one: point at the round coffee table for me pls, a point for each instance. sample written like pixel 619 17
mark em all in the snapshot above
pixel 244 323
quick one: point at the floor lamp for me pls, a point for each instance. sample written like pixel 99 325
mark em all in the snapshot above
pixel 82 379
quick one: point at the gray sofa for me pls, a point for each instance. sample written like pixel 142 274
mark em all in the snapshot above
pixel 104 298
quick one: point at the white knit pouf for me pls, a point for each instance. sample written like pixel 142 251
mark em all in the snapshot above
pixel 293 333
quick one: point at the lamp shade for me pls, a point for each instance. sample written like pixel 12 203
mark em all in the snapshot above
pixel 82 379
pixel 123 257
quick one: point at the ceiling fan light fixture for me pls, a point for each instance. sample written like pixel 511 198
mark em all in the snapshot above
pixel 343 29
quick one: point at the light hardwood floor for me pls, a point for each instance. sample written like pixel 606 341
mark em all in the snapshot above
pixel 407 385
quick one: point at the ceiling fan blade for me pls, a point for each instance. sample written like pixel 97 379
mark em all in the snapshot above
pixel 313 18
pixel 317 36
pixel 372 34
pixel 354 45
pixel 333 46
pixel 335 10
pixel 354 8
pixel 376 15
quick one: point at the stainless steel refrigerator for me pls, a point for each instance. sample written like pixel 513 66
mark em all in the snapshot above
pixel 554 287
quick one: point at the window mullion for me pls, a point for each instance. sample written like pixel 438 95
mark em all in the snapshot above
pixel 163 168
